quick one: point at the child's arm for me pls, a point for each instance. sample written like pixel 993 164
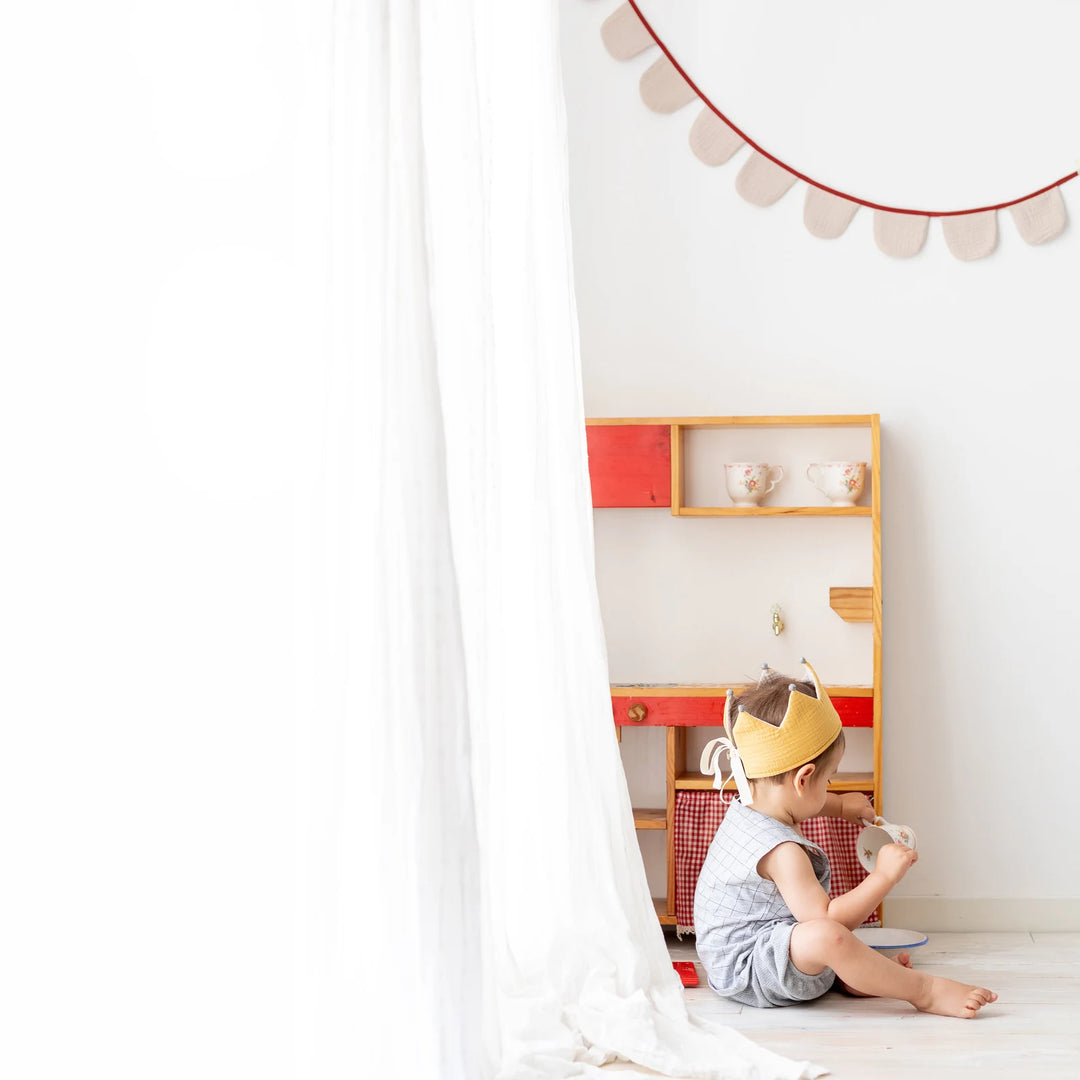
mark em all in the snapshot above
pixel 789 867
pixel 851 806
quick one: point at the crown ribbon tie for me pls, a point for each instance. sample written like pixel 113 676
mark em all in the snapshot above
pixel 710 764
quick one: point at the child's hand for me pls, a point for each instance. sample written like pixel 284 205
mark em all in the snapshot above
pixel 894 861
pixel 856 808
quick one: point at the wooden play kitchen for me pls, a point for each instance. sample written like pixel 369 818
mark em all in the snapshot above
pixel 636 462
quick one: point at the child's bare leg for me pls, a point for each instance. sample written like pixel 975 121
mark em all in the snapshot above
pixel 823 943
pixel 903 959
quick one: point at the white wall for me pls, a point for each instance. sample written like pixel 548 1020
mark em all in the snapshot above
pixel 150 301
pixel 692 301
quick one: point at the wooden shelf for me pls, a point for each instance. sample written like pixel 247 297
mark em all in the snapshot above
pixel 642 462
pixel 772 511
pixel 852 604
pixel 650 819
pixel 737 421
pixel 660 905
pixel 854 781
pixel 715 690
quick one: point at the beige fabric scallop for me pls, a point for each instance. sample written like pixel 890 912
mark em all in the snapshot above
pixel 663 89
pixel 827 215
pixel 762 181
pixel 900 235
pixel 971 236
pixel 1042 218
pixel 712 140
pixel 623 33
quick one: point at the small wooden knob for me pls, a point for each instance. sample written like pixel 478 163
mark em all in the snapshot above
pixel 637 712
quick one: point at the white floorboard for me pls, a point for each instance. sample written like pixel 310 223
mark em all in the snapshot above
pixel 1031 1032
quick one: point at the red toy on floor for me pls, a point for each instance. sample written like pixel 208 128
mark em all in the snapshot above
pixel 687 972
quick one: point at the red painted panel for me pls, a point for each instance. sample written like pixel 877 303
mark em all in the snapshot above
pixel 709 711
pixel 855 711
pixel 671 711
pixel 630 464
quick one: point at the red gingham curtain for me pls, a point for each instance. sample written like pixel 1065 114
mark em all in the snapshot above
pixel 697 817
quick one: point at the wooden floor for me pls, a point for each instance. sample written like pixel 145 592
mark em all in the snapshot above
pixel 1031 1031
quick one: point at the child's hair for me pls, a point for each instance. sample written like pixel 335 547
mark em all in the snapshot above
pixel 768 701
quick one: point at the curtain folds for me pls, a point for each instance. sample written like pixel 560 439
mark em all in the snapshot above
pixel 473 901
pixel 388 975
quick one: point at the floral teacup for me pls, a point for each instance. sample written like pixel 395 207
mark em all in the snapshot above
pixel 874 837
pixel 841 482
pixel 748 483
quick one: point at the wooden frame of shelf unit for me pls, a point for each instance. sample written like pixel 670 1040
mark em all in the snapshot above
pixel 678 777
pixel 696 781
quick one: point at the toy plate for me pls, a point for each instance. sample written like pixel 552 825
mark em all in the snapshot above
pixel 890 937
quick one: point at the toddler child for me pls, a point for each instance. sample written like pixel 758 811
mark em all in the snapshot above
pixel 767 931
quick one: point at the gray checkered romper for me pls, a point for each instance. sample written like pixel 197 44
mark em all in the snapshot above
pixel 742 924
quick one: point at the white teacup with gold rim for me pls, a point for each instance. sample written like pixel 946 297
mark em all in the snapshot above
pixel 841 482
pixel 749 482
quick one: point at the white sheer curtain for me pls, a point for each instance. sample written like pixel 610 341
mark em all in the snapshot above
pixel 473 902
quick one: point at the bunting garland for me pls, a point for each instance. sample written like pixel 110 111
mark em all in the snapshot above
pixel 763 178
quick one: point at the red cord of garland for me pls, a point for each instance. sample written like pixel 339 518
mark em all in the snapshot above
pixel 815 183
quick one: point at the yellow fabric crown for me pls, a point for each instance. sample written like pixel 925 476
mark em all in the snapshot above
pixel 810 725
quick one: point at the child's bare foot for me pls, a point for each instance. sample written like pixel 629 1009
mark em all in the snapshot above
pixel 948 998
pixel 903 959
